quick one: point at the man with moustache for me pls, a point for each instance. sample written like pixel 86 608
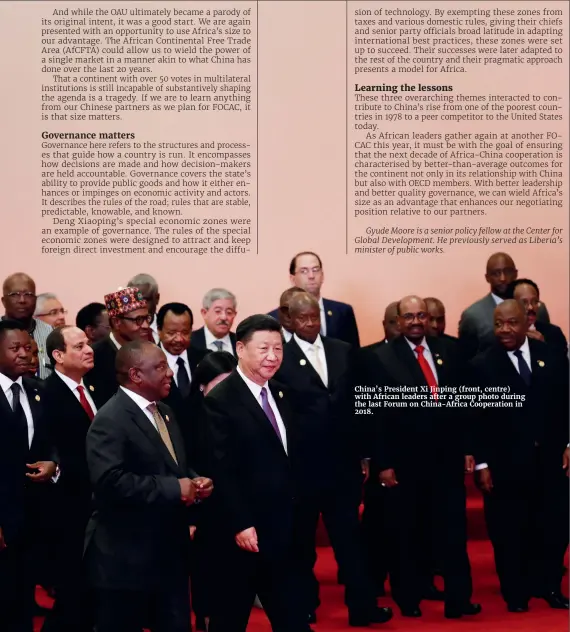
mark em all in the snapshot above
pixel 70 405
pixel 253 445
pixel 316 369
pixel 27 465
pixel 522 459
pixel 218 311
pixel 283 312
pixel 50 310
pixel 527 293
pixel 149 289
pixel 138 537
pixel 476 327
pixel 421 454
pixel 129 321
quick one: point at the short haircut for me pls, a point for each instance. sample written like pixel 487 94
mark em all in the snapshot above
pixel 293 264
pixel 217 294
pixel 290 292
pixel 211 366
pixel 299 301
pixel 144 280
pixel 436 301
pixel 10 325
pixel 257 322
pixel 41 299
pixel 55 342
pixel 512 286
pixel 129 356
pixel 175 308
pixel 87 316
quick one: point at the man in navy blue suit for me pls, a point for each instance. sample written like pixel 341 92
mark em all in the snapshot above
pixel 337 319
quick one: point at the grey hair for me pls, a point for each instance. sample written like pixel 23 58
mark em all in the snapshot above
pixel 217 294
pixel 42 298
pixel 143 280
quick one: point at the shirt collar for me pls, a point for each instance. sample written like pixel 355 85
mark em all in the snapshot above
pixel 286 334
pixel 525 348
pixel 306 346
pixel 114 340
pixel 498 300
pixel 6 382
pixel 253 387
pixel 210 338
pixel 321 304
pixel 413 346
pixel 139 400
pixel 67 380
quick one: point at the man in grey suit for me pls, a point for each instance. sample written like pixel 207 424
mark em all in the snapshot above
pixel 476 326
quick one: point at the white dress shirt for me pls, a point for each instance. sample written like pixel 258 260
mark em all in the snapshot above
pixel 142 403
pixel 427 355
pixel 323 317
pixel 256 392
pixel 286 334
pixel 173 364
pixel 72 384
pixel 312 350
pixel 154 328
pixel 6 386
pixel 114 340
pixel 498 300
pixel 210 339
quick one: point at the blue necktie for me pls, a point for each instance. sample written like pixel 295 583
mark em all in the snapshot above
pixel 523 367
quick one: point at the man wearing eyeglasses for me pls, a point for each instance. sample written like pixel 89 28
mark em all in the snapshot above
pixel 50 310
pixel 129 320
pixel 476 326
pixel 19 300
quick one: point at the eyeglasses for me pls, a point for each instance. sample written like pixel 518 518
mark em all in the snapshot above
pixel 54 312
pixel 17 295
pixel 409 318
pixel 139 320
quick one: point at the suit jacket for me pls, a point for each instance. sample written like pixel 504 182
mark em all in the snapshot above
pixel 340 321
pixel 252 472
pixel 476 326
pixel 506 437
pixel 198 340
pixel 329 442
pixel 406 436
pixel 21 499
pixel 137 538
pixel 553 336
pixel 103 376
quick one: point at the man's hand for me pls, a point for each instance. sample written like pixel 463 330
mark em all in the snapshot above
pixel 535 335
pixel 365 469
pixel 566 461
pixel 45 471
pixel 247 540
pixel 388 478
pixel 204 487
pixel 2 542
pixel 192 532
pixel 469 464
pixel 484 480
pixel 187 491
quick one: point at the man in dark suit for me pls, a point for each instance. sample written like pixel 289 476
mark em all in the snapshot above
pixel 436 319
pixel 174 321
pixel 522 459
pixel 421 453
pixel 476 327
pixel 219 309
pixel 129 320
pixel 527 293
pixel 138 537
pixel 70 405
pixel 329 458
pixel 337 319
pixel 250 419
pixel 27 459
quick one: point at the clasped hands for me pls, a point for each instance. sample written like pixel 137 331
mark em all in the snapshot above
pixel 195 489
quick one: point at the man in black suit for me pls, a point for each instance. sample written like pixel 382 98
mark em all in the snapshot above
pixel 421 453
pixel 436 319
pixel 250 419
pixel 329 457
pixel 522 459
pixel 129 320
pixel 527 293
pixel 174 321
pixel 138 537
pixel 337 319
pixel 219 309
pixel 27 458
pixel 70 405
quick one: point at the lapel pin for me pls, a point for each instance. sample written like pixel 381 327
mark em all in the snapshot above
pixel 540 363
pixel 302 362
pixel 329 312
pixel 439 361
pixel 37 398
pixel 91 388
pixel 166 417
pixel 280 393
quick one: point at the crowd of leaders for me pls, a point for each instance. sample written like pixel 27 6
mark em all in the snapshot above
pixel 147 470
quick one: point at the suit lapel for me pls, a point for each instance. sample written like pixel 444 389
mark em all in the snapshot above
pixel 537 364
pixel 330 317
pixel 506 368
pixel 335 366
pixel 175 437
pixel 439 359
pixel 302 363
pixel 408 359
pixel 66 397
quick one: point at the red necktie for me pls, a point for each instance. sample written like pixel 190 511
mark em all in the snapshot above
pixel 83 401
pixel 426 370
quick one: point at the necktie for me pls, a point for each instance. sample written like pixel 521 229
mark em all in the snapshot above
pixel 83 401
pixel 20 417
pixel 524 370
pixel 426 370
pixel 183 382
pixel 318 364
pixel 162 430
pixel 269 412
pixel 219 345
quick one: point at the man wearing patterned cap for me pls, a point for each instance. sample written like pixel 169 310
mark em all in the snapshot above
pixel 129 320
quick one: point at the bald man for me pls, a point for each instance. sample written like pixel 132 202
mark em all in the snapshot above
pixel 283 311
pixel 420 456
pixel 522 459
pixel 476 327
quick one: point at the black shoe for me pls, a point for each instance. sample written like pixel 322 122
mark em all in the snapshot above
pixel 517 608
pixel 411 612
pixel 312 617
pixel 363 620
pixel 433 593
pixel 556 600
pixel 456 612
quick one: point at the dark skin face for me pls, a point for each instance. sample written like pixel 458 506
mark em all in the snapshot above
pixel 390 322
pixel 413 319
pixel 100 330
pixel 283 312
pixel 501 271
pixel 436 318
pixel 132 326
pixel 19 298
pixel 306 320
pixel 15 353
pixel 34 358
pixel 151 377
pixel 527 296
pixel 176 332
pixel 510 325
